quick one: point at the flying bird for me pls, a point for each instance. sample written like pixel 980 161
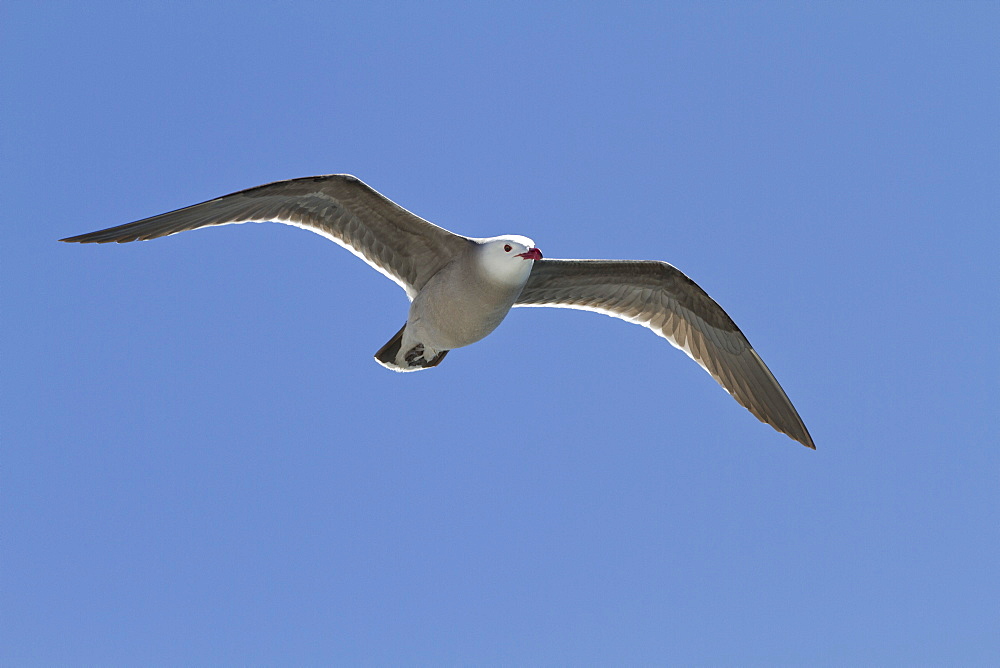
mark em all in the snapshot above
pixel 461 288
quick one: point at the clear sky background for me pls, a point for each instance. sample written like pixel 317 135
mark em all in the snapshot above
pixel 202 464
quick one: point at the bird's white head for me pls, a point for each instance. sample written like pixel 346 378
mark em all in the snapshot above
pixel 508 259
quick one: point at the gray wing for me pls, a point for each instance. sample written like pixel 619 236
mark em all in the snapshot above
pixel 658 296
pixel 402 246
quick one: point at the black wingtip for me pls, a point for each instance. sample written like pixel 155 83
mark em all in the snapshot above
pixel 110 235
pixel 79 239
pixel 805 439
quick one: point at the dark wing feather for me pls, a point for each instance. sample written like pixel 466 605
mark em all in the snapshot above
pixel 658 296
pixel 404 247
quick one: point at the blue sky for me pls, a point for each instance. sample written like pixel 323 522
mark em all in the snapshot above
pixel 202 464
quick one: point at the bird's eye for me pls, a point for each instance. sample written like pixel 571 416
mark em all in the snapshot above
pixel 507 248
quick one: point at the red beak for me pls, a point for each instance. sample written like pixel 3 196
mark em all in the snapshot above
pixel 531 254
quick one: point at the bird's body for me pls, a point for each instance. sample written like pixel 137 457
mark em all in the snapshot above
pixel 462 288
pixel 464 301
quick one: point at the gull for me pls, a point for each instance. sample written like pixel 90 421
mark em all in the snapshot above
pixel 461 288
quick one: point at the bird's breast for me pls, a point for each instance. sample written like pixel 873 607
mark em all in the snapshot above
pixel 456 308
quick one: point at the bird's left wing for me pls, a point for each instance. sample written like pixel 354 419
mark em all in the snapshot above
pixel 659 296
pixel 400 245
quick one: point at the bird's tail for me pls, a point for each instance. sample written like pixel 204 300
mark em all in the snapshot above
pixel 388 355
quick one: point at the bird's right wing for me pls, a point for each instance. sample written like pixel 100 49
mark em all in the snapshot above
pixel 659 296
pixel 400 245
